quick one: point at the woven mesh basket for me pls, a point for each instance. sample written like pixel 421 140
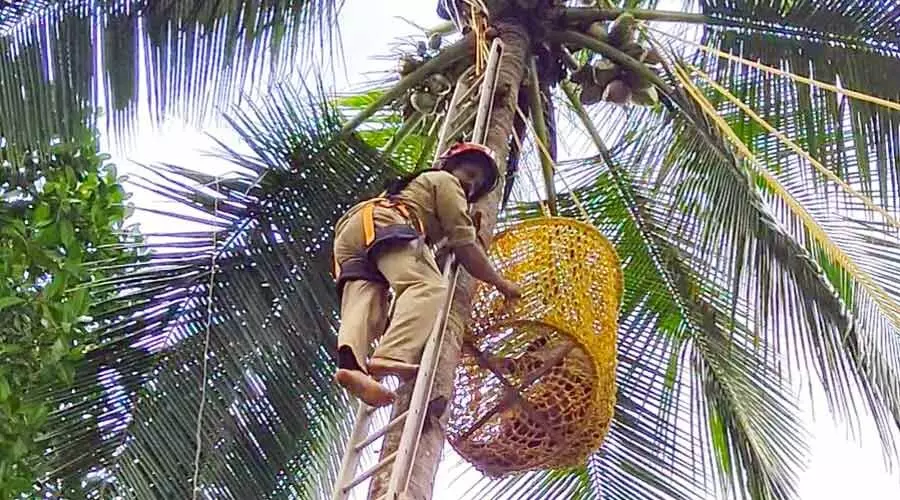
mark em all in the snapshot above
pixel 535 388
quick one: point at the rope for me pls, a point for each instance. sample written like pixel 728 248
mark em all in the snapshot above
pixel 796 148
pixel 478 23
pixel 198 438
pixel 768 69
pixel 208 333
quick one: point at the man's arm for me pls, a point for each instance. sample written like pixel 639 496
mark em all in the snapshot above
pixel 473 258
pixel 476 221
pixel 441 250
pixel 476 262
pixel 452 213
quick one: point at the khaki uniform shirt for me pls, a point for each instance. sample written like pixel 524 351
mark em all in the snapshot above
pixel 437 199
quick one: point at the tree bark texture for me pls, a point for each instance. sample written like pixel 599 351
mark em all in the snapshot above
pixel 517 49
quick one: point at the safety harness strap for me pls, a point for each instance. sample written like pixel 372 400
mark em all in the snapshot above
pixel 360 267
pixel 368 214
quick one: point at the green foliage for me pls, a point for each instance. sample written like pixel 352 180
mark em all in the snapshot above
pixel 726 298
pixel 188 54
pixel 60 211
pixel 239 314
pixel 415 148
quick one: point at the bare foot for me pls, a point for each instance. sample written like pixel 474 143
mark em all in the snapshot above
pixel 362 386
pixel 381 367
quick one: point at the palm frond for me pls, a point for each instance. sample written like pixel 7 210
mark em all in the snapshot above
pixel 700 406
pixel 236 310
pixel 179 57
pixel 802 316
pixel 708 354
pixel 867 336
pixel 838 44
pixel 408 142
pixel 853 22
pixel 13 14
pixel 238 313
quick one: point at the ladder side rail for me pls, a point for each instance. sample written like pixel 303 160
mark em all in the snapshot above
pixel 412 428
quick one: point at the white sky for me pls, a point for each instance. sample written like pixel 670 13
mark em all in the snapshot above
pixel 839 468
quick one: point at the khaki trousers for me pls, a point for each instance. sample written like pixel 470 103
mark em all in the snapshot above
pixel 411 272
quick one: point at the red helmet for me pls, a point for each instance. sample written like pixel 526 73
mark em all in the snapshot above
pixel 487 161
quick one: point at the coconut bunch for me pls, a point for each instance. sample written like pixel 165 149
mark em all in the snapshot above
pixel 429 96
pixel 604 80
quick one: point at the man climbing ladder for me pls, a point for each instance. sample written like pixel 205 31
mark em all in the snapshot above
pixel 382 242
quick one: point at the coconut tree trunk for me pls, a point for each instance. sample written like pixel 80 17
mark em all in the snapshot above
pixel 512 69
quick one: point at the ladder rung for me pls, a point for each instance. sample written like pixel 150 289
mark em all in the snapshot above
pixel 371 472
pixel 381 432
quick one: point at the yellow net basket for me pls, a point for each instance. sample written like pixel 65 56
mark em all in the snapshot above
pixel 535 387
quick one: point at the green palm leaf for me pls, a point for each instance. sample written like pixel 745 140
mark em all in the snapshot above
pixel 714 360
pixel 728 297
pixel 862 339
pixel 700 402
pixel 829 42
pixel 177 57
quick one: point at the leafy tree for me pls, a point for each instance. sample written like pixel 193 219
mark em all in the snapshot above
pixel 62 214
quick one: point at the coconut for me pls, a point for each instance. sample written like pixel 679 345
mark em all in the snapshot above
pixel 604 72
pixel 439 84
pixel 407 65
pixel 635 50
pixel 434 41
pixel 622 30
pixel 597 30
pixel 583 75
pixel 423 102
pixel 617 91
pixel 406 109
pixel 635 80
pixel 653 57
pixel 645 97
pixel 591 94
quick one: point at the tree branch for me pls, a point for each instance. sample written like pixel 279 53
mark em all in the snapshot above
pixel 579 15
pixel 610 52
pixel 446 57
pixel 540 130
